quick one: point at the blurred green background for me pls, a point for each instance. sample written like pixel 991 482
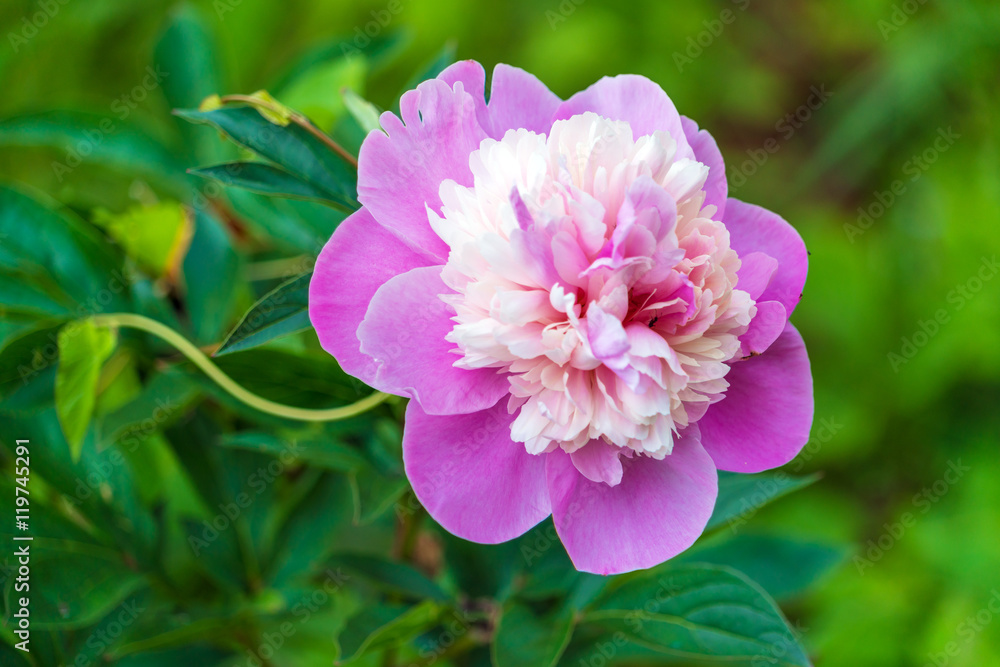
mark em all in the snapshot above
pixel 871 126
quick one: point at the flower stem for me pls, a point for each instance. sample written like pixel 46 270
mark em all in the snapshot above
pixel 198 358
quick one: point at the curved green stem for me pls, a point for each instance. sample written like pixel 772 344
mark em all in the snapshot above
pixel 188 349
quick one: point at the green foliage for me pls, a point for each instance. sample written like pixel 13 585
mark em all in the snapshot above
pixel 174 524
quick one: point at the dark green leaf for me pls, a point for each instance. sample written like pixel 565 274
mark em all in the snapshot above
pixel 82 584
pixel 783 567
pixel 263 179
pixel 389 576
pixel 741 496
pixel 527 638
pixel 282 311
pixel 212 271
pixel 51 262
pixel 321 453
pixel 698 611
pixel 380 628
pixel 291 147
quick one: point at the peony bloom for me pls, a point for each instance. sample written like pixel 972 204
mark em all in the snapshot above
pixel 586 325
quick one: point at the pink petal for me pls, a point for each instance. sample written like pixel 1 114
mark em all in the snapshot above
pixel 472 478
pixel 404 331
pixel 634 99
pixel 755 273
pixel 657 511
pixel 707 152
pixel 764 420
pixel 358 259
pixel 400 173
pixel 599 462
pixel 755 229
pixel 765 327
pixel 519 100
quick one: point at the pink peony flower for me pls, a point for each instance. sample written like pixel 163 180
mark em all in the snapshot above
pixel 586 325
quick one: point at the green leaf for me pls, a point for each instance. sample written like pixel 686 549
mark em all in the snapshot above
pixel 783 567
pixel 212 272
pixel 117 144
pixel 390 577
pixel 316 92
pixel 698 611
pixel 83 349
pixel 374 493
pixel 188 53
pixel 82 585
pixel 282 311
pixel 363 111
pixel 527 638
pixel 741 496
pixel 293 148
pixel 321 453
pixel 156 236
pixel 263 179
pixel 381 627
pixel 51 262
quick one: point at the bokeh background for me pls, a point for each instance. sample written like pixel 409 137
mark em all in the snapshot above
pixel 871 126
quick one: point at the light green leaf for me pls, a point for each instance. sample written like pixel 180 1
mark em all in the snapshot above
pixel 363 111
pixel 156 236
pixel 316 92
pixel 83 348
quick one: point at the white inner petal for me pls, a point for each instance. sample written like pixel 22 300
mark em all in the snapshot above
pixel 586 266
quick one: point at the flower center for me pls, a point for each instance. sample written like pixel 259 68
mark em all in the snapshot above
pixel 585 265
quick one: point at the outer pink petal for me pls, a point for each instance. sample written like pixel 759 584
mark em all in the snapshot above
pixel 358 259
pixel 707 152
pixel 634 99
pixel 400 173
pixel 755 229
pixel 404 331
pixel 472 478
pixel 519 100
pixel 764 420
pixel 657 511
